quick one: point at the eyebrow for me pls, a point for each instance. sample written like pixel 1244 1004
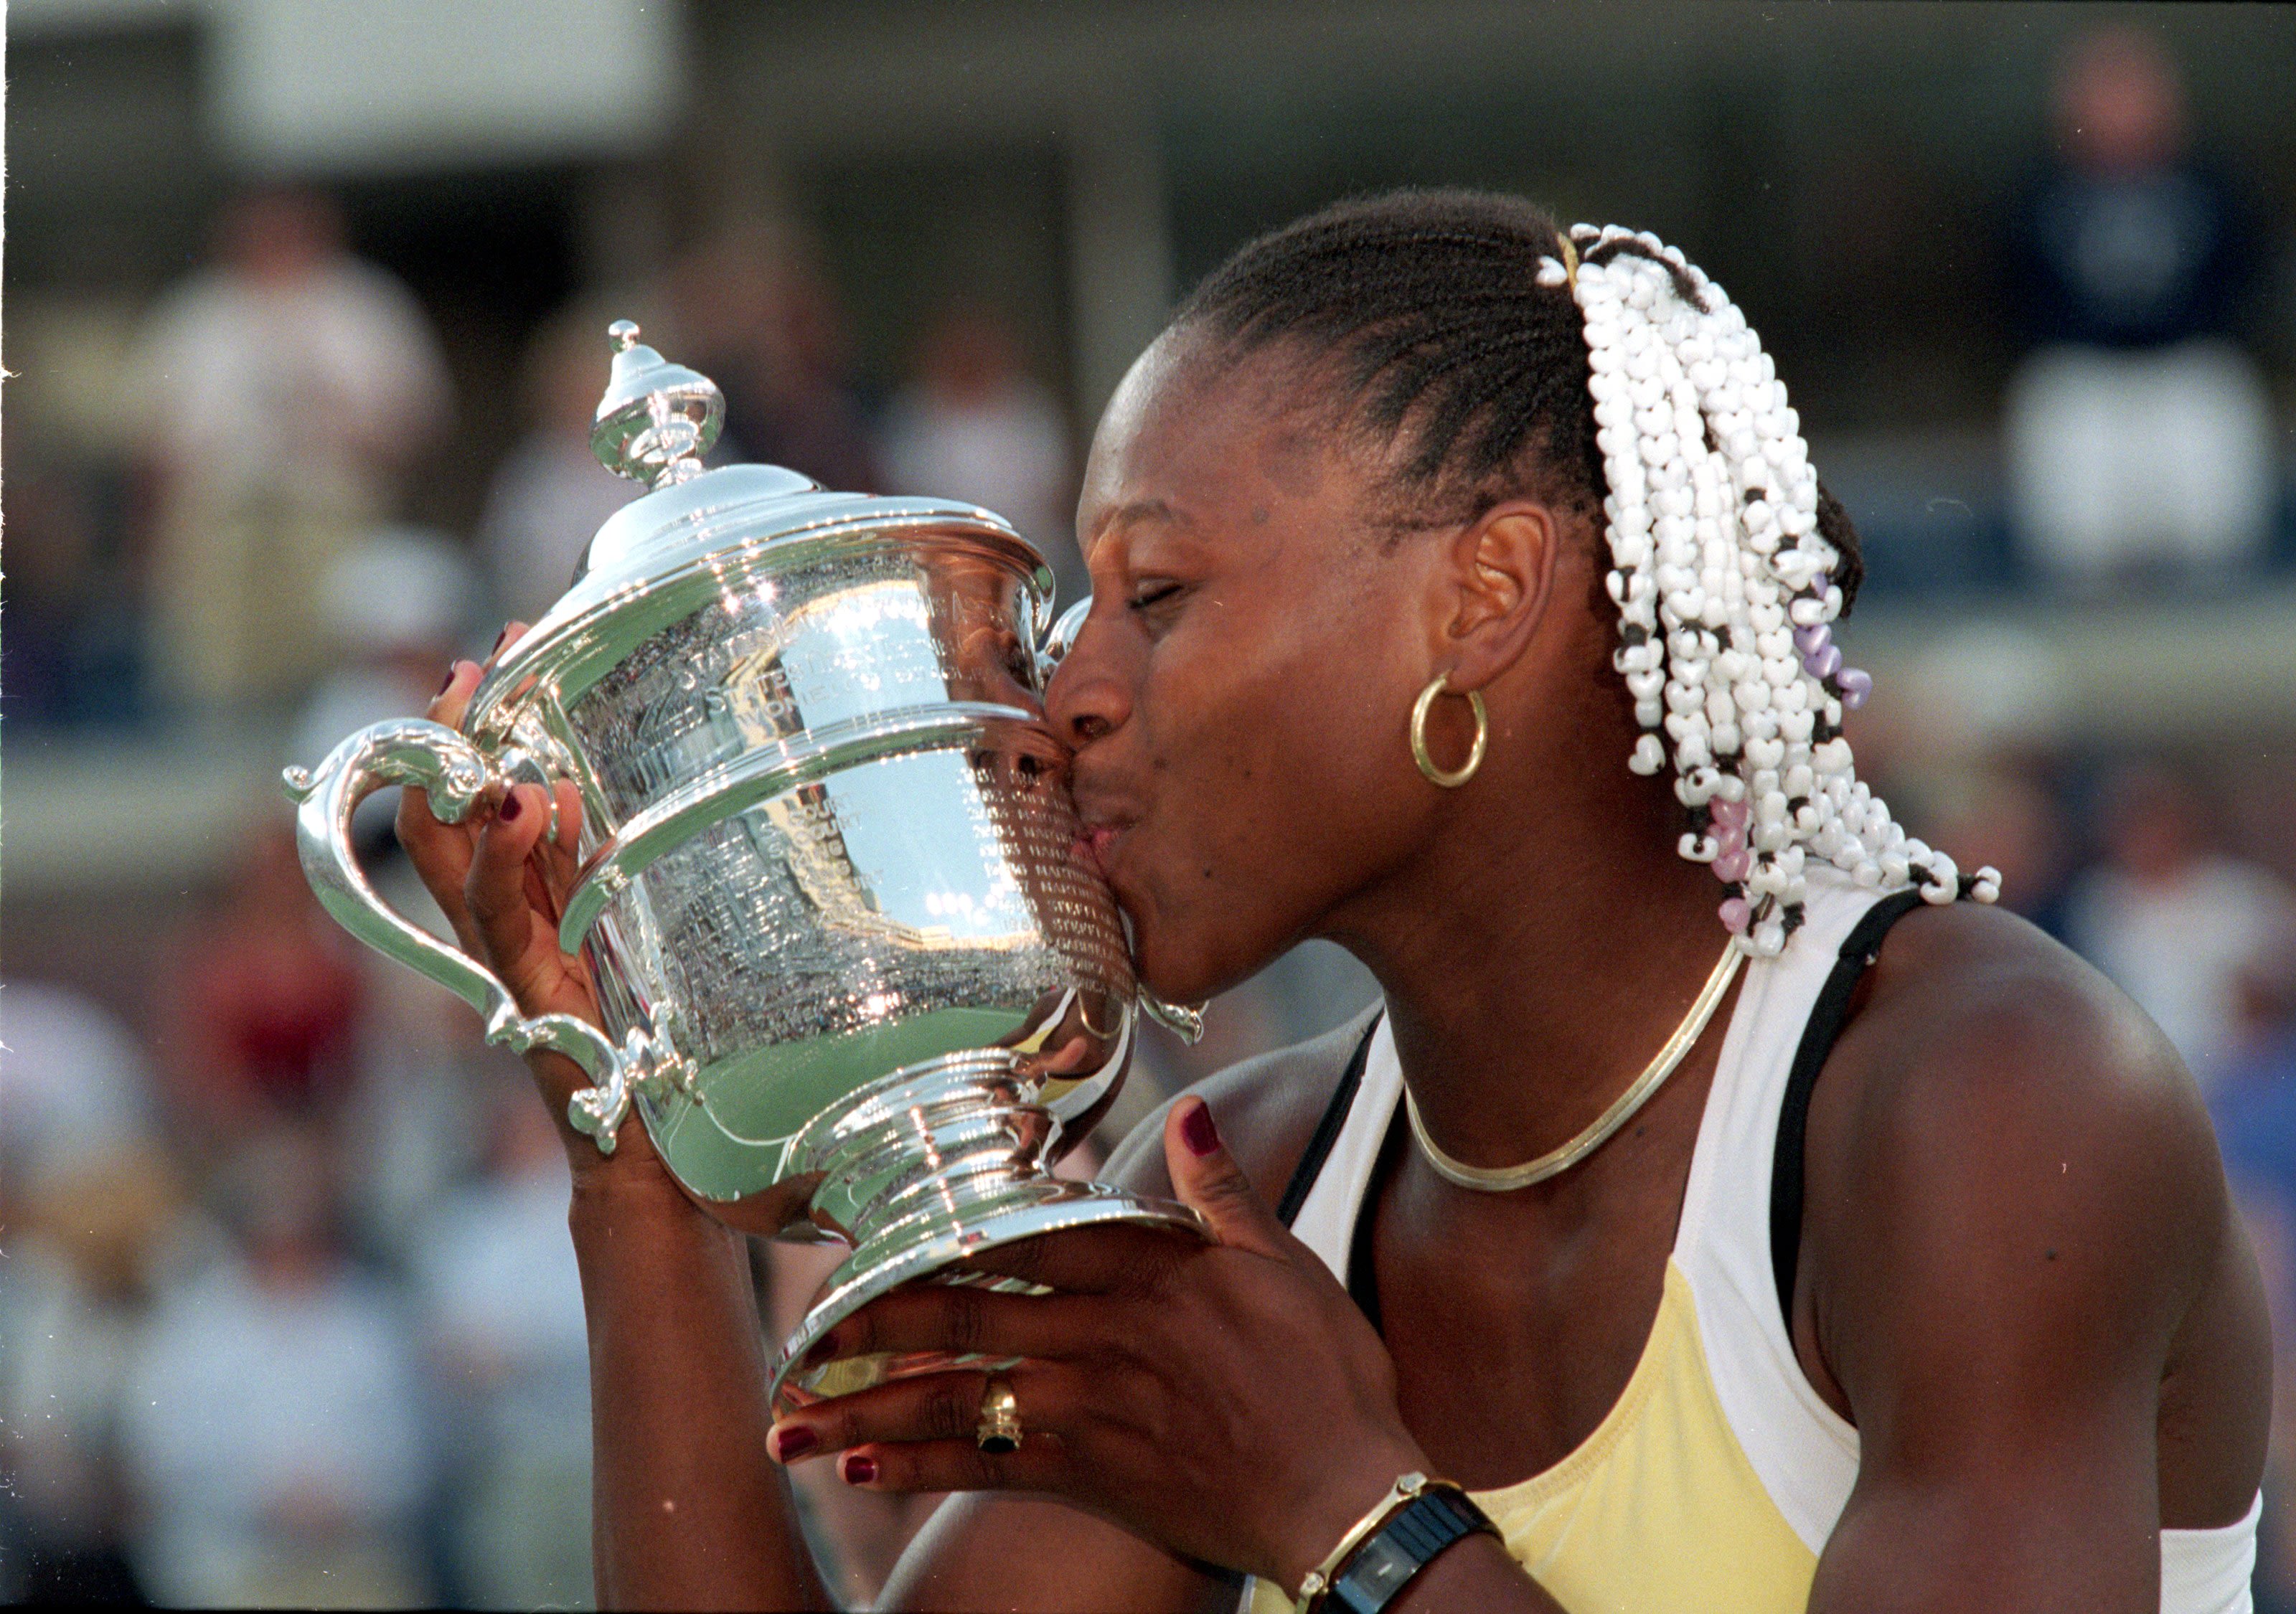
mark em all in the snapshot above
pixel 1147 509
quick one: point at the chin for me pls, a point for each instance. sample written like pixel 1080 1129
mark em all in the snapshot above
pixel 1180 962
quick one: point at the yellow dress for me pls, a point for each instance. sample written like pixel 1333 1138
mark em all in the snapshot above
pixel 1658 1512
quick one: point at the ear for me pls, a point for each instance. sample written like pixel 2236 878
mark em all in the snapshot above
pixel 1501 577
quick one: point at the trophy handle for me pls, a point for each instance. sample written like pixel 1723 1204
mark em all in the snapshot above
pixel 455 775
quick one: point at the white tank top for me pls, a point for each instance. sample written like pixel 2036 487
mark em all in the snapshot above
pixel 1718 1476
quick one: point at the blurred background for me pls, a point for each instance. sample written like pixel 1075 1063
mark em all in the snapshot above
pixel 305 308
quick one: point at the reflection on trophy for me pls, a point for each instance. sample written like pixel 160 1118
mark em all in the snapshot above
pixel 856 980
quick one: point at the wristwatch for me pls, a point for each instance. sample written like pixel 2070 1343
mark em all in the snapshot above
pixel 1417 1519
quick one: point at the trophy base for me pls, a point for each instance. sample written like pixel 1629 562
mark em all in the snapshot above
pixel 934 1163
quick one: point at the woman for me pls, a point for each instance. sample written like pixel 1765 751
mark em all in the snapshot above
pixel 1374 529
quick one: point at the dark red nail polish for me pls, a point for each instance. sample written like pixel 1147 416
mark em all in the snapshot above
pixel 794 1442
pixel 825 1350
pixel 1197 1131
pixel 499 638
pixel 857 1469
pixel 510 809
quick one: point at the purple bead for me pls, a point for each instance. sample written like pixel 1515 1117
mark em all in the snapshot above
pixel 1814 638
pixel 1733 864
pixel 1855 684
pixel 1822 662
pixel 1730 814
pixel 1734 914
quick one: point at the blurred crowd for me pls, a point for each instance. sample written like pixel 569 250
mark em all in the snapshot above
pixel 289 1314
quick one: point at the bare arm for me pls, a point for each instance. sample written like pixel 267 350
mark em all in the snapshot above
pixel 690 1511
pixel 2018 1226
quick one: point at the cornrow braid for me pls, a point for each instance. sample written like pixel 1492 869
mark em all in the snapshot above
pixel 1459 335
pixel 1443 341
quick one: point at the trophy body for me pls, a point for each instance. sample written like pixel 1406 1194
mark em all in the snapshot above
pixel 855 974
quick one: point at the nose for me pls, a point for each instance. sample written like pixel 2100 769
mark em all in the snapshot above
pixel 1087 697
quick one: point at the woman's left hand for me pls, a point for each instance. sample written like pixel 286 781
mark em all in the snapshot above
pixel 1225 1399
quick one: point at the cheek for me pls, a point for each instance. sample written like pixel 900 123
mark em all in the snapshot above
pixel 1273 798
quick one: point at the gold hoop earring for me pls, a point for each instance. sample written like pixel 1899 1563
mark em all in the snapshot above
pixel 1419 753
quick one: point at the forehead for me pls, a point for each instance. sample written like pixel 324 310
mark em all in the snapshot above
pixel 1193 429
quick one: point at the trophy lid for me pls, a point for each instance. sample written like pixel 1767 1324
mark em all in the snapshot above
pixel 657 419
pixel 699 530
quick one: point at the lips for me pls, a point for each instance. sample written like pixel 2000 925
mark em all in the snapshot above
pixel 1096 846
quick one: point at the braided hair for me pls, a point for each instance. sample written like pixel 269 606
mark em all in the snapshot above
pixel 1494 355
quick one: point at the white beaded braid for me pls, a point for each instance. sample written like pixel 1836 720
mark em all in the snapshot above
pixel 1725 593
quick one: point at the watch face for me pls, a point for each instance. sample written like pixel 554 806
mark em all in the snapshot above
pixel 1382 1567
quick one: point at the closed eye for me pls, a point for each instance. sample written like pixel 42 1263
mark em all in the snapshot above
pixel 1153 594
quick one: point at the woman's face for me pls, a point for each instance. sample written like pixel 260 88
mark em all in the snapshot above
pixel 1238 697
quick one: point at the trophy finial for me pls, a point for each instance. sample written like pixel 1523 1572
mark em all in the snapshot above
pixel 657 419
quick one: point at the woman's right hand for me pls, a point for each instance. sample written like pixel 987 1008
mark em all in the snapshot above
pixel 502 881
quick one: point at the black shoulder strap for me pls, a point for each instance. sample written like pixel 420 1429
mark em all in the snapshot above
pixel 1817 1039
pixel 1327 1131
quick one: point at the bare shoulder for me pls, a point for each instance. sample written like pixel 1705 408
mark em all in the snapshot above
pixel 2014 1199
pixel 1980 1042
pixel 1266 1109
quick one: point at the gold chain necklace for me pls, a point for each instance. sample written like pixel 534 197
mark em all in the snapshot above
pixel 1505 1179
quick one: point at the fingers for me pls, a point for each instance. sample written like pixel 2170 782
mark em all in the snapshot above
pixel 441 852
pixel 495 888
pixel 1208 1180
pixel 1107 1259
pixel 920 1434
pixel 1040 1465
pixel 963 1319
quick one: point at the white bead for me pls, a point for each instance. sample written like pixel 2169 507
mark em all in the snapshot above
pixel 1647 713
pixel 1807 612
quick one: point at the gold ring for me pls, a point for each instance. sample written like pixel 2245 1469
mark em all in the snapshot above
pixel 999 1430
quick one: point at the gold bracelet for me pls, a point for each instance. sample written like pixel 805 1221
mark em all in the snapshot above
pixel 1319 1579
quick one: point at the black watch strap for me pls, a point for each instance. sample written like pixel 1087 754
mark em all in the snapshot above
pixel 1409 1541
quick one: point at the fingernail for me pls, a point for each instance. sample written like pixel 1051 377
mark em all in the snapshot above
pixel 857 1469
pixel 1197 1131
pixel 510 809
pixel 793 1441
pixel 500 638
pixel 452 668
pixel 825 1350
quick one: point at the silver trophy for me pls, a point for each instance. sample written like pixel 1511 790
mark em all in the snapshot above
pixel 858 977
